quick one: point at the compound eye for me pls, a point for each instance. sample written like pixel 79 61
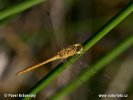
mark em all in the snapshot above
pixel 79 50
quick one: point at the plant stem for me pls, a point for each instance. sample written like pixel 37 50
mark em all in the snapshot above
pixel 109 26
pixel 26 4
pixel 95 68
pixel 87 45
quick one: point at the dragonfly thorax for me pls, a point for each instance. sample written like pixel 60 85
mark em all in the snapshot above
pixel 70 51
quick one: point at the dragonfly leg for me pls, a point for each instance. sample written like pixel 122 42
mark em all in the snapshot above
pixel 63 60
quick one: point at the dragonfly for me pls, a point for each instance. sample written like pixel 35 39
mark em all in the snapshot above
pixel 63 54
pixel 69 51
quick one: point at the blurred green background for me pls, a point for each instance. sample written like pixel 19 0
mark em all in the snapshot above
pixel 39 32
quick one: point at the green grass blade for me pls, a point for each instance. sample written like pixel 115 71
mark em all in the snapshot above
pixel 19 8
pixel 87 45
pixel 109 26
pixel 95 68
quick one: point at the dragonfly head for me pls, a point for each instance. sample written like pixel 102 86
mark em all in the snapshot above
pixel 78 48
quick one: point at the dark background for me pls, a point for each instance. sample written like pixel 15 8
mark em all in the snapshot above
pixel 38 33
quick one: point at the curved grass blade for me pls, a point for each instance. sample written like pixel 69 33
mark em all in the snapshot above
pixel 19 8
pixel 95 68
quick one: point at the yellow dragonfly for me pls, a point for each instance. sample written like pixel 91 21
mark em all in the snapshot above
pixel 62 54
